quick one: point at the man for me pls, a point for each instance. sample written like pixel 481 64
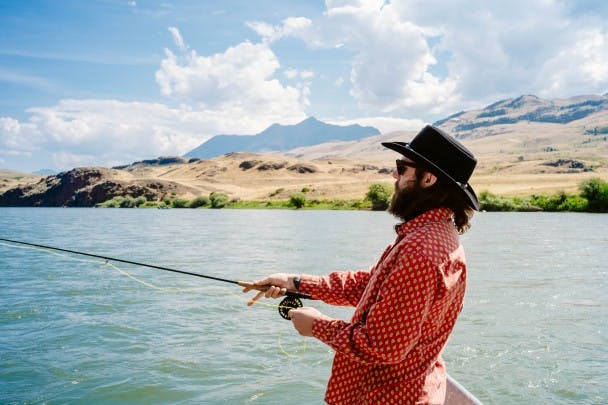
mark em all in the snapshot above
pixel 406 304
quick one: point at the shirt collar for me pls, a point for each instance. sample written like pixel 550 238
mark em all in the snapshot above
pixel 430 216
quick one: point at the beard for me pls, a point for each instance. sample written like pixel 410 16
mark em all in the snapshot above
pixel 406 203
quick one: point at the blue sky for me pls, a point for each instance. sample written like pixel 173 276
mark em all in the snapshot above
pixel 113 81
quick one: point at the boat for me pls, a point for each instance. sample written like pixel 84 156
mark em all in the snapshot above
pixel 456 394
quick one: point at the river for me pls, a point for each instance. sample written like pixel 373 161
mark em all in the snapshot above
pixel 534 328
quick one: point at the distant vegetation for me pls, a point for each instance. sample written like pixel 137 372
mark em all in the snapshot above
pixel 379 194
pixel 593 197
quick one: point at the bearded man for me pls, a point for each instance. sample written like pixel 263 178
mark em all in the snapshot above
pixel 408 302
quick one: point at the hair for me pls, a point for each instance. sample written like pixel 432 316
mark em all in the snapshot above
pixel 415 200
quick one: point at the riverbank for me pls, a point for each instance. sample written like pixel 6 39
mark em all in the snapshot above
pixel 592 197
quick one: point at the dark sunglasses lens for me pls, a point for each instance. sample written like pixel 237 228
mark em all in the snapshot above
pixel 402 165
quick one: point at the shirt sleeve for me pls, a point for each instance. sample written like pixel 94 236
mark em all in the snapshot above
pixel 393 323
pixel 338 288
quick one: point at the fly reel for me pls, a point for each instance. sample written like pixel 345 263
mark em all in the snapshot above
pixel 289 302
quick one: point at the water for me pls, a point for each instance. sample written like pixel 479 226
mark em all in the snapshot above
pixel 533 330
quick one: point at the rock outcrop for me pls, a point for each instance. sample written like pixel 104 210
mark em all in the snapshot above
pixel 84 187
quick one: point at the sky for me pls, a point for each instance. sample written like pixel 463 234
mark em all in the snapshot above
pixel 110 82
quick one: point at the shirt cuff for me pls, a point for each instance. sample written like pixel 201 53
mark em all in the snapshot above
pixel 326 329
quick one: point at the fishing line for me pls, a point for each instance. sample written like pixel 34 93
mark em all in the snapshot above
pixel 106 263
pixel 292 298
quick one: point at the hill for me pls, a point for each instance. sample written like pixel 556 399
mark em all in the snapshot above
pixel 534 146
pixel 240 175
pixel 10 179
pixel 526 109
pixel 522 153
pixel 281 138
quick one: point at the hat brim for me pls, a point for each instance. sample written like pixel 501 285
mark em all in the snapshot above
pixel 405 149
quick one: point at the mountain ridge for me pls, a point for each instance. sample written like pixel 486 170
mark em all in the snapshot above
pixel 279 137
pixel 525 108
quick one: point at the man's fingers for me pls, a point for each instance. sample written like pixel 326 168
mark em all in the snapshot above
pixel 275 292
pixel 254 299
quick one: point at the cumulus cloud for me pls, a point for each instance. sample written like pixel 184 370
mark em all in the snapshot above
pixel 241 78
pixel 437 56
pixel 391 56
pixel 231 92
pixel 504 49
pixel 109 132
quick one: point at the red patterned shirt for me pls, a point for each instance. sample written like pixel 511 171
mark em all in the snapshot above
pixel 406 307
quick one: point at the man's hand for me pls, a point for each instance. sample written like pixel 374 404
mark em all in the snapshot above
pixel 277 284
pixel 302 319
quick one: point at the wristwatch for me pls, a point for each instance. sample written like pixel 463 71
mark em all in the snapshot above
pixel 296 282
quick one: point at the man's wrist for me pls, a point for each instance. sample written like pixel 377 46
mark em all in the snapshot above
pixel 296 282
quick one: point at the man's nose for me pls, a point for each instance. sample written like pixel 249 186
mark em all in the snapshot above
pixel 395 174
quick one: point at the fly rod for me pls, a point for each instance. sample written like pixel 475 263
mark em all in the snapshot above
pixel 291 300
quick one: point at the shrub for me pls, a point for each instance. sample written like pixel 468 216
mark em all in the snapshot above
pixel 179 203
pixel 491 202
pixel 218 200
pixel 549 203
pixel 199 201
pixel 574 203
pixel 127 202
pixel 595 190
pixel 112 203
pixel 139 201
pixel 380 196
pixel 297 200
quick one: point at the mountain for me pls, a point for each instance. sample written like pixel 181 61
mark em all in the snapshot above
pixel 525 109
pixel 281 138
pixel 525 145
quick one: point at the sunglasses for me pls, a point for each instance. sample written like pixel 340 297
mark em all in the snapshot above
pixel 402 165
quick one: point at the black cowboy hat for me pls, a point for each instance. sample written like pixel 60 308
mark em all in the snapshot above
pixel 443 156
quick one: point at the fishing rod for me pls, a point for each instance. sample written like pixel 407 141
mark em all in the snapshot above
pixel 291 300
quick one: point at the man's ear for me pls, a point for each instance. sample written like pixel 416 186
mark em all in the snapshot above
pixel 428 179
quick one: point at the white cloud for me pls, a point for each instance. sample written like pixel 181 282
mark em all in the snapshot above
pixel 390 66
pixel 290 27
pixel 504 49
pixel 292 74
pixel 307 74
pixel 177 38
pixel 231 92
pixel 110 132
pixel 243 78
pixel 438 56
pixel 384 124
pixel 579 67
